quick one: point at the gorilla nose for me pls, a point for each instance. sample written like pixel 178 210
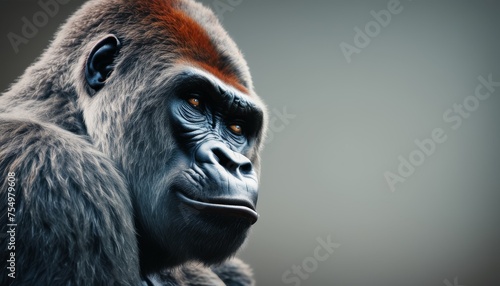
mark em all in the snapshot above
pixel 218 153
pixel 232 161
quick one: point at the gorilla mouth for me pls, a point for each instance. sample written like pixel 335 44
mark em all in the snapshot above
pixel 224 206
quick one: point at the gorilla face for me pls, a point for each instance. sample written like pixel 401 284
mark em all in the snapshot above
pixel 214 128
pixel 198 199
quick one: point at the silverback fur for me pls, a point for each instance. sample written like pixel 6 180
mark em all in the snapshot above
pixel 83 159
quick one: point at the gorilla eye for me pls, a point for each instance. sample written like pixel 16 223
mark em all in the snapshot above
pixel 195 102
pixel 236 129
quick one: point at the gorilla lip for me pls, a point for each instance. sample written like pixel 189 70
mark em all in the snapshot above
pixel 234 207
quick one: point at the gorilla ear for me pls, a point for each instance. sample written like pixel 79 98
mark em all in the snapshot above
pixel 100 61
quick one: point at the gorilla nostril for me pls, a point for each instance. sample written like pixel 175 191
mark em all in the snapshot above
pixel 223 159
pixel 246 168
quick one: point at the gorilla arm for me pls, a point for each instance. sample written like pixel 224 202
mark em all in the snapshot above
pixel 73 213
pixel 233 272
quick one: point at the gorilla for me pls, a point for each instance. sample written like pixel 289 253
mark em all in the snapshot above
pixel 130 152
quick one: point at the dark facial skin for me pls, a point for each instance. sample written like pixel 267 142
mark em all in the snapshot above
pixel 216 128
pixel 212 193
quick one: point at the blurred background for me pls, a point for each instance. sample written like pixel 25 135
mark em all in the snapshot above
pixel 347 197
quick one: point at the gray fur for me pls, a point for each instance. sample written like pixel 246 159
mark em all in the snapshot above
pixel 83 160
pixel 233 272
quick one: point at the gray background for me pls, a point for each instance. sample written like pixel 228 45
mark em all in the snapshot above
pixel 323 170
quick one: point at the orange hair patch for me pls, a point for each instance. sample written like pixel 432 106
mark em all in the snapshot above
pixel 192 41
